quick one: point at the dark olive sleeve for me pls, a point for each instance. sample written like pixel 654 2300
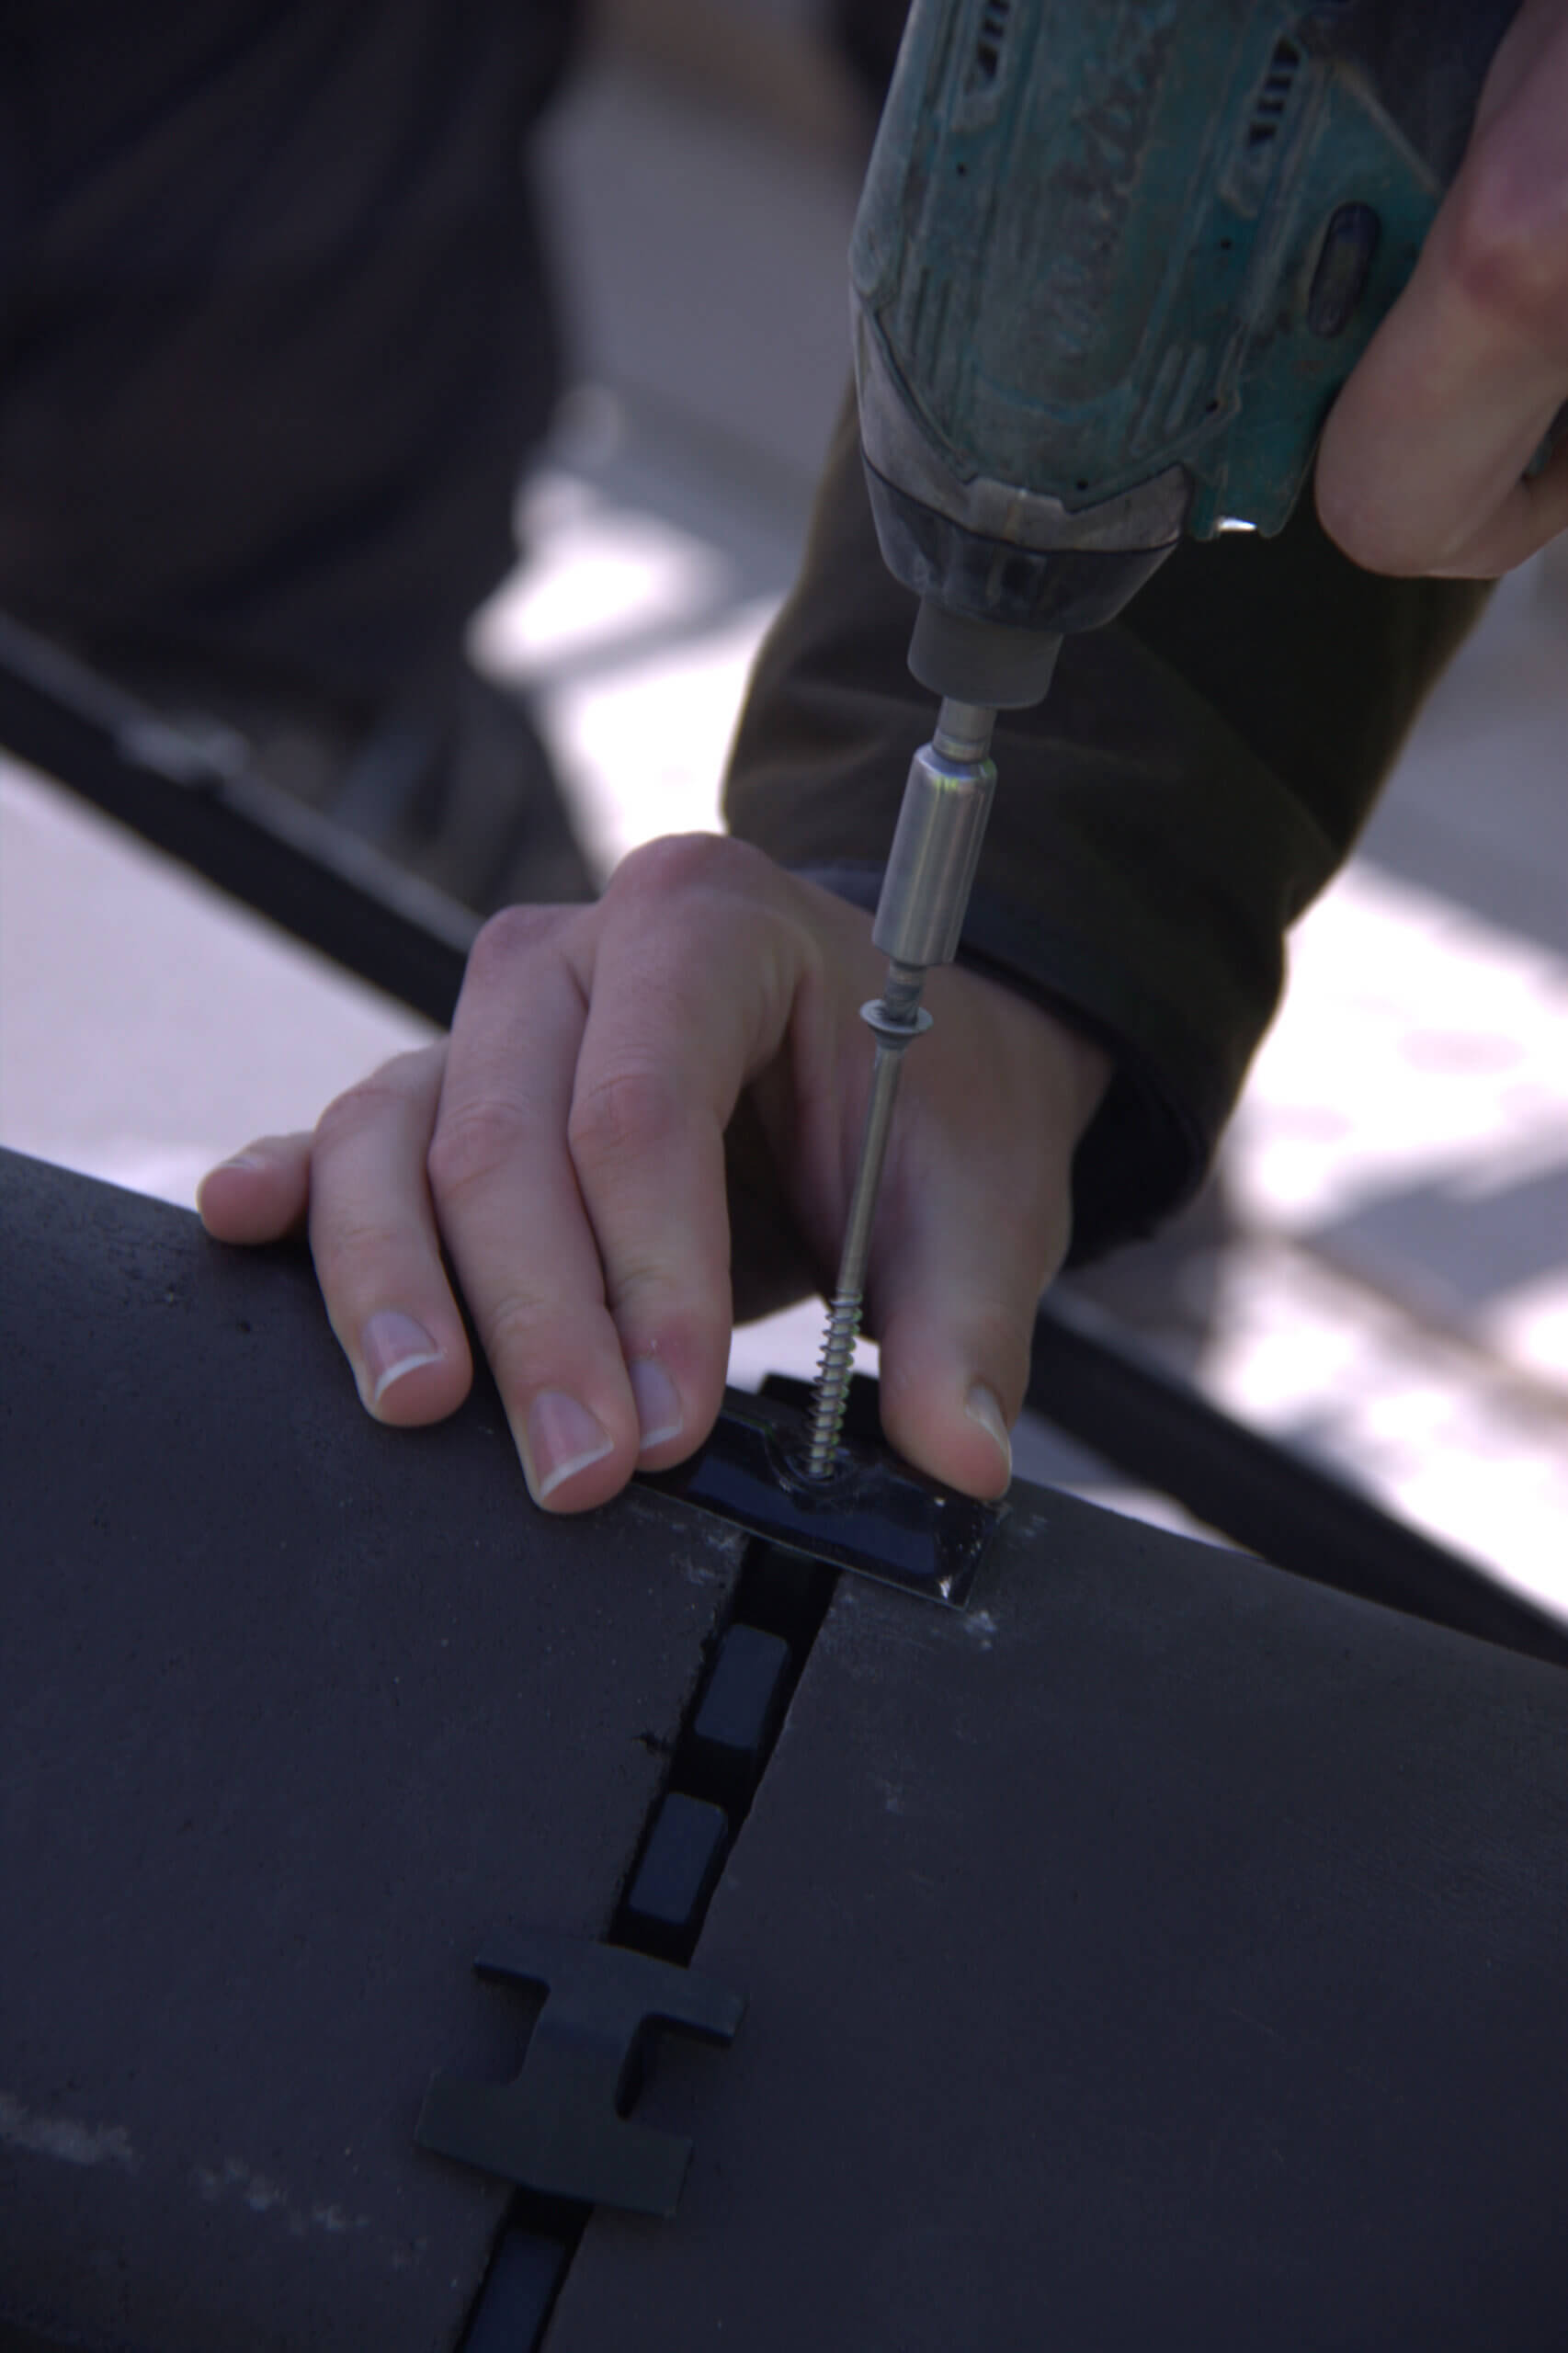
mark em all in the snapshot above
pixel 1199 769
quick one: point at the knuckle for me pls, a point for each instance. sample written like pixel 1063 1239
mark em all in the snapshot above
pixel 622 1116
pixel 472 1147
pixel 352 1251
pixel 680 865
pixel 521 1330
pixel 1388 545
pixel 1378 534
pixel 363 1109
pixel 645 1295
pixel 380 1101
pixel 1340 513
pixel 1510 252
pixel 507 939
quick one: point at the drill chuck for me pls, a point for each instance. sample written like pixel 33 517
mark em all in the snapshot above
pixel 980 661
pixel 941 823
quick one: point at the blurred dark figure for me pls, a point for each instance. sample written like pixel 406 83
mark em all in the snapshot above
pixel 275 340
pixel 868 33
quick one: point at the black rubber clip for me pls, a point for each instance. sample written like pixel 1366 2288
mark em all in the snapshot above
pixel 874 1514
pixel 560 2127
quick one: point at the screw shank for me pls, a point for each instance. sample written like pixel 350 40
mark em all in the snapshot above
pixel 869 1170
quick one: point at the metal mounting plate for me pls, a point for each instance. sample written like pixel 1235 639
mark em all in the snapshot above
pixel 875 1515
pixel 560 2127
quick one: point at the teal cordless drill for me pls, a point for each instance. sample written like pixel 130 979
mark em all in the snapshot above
pixel 1113 261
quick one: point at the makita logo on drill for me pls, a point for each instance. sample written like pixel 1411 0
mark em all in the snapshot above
pixel 1097 138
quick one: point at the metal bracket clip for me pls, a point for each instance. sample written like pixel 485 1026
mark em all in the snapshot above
pixel 558 2126
pixel 872 1513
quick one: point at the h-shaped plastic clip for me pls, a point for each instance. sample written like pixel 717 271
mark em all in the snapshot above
pixel 557 2127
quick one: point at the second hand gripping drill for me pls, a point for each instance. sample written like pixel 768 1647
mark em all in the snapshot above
pixel 1111 267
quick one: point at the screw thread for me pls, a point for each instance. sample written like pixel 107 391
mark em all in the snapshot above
pixel 832 1392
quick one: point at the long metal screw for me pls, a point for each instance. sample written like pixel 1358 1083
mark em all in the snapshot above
pixel 895 1017
pixel 919 918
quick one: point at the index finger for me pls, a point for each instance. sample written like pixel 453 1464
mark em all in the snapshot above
pixel 512 1219
pixel 1423 458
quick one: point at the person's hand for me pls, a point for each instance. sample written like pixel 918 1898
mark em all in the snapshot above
pixel 1421 464
pixel 618 1079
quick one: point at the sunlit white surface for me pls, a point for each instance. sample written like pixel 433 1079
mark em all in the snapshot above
pixel 147 1026
pixel 642 746
pixel 1414 1038
pixel 595 577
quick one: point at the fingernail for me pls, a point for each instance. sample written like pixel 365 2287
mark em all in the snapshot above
pixel 982 1409
pixel 658 1404
pixel 238 1160
pixel 563 1438
pixel 393 1344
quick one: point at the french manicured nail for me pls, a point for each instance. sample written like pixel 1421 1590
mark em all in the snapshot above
pixel 393 1344
pixel 982 1409
pixel 658 1404
pixel 563 1438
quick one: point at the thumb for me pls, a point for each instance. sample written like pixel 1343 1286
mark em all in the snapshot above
pixel 260 1194
pixel 956 1297
pixel 974 1221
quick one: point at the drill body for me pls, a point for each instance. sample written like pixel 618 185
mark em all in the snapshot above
pixel 1111 266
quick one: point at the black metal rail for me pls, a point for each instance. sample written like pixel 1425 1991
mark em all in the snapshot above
pixel 1162 1434
pixel 204 804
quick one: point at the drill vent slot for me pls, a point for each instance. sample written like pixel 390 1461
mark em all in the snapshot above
pixel 986 62
pixel 1274 95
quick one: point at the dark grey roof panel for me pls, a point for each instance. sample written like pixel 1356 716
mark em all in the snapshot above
pixel 296 1714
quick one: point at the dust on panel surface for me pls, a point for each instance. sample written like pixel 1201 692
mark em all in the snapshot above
pixel 1169 1951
